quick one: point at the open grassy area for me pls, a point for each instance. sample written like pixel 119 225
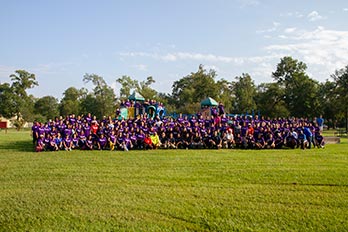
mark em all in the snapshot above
pixel 165 190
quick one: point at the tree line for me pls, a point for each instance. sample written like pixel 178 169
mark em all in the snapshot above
pixel 292 93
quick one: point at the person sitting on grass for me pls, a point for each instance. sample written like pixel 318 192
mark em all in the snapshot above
pixel 319 140
pixel 270 142
pixel 127 143
pixel 155 140
pixel 67 143
pixel 40 145
pixel 164 140
pixel 46 141
pixel 75 141
pixel 250 141
pixel 278 140
pixel 119 141
pixel 140 139
pixel 302 140
pixel 148 142
pixel 59 141
pixel 82 140
pixel 89 143
pixel 102 142
pixel 186 141
pixel 228 139
pixel 197 142
pixel 53 146
pixel 171 141
pixel 215 141
pixel 112 140
pixel 260 141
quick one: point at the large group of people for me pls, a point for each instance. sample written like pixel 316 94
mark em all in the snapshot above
pixel 219 131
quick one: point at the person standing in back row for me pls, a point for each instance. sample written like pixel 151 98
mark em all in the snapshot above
pixel 320 122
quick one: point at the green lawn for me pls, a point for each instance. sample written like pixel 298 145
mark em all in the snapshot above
pixel 163 190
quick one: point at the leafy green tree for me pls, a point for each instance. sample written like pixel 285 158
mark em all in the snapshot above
pixel 225 94
pixel 47 106
pixel 270 100
pixel 245 92
pixel 70 103
pixel 127 84
pixel 191 89
pixel 14 100
pixel 104 95
pixel 21 81
pixel 144 88
pixel 340 78
pixel 89 104
pixel 300 91
pixel 7 101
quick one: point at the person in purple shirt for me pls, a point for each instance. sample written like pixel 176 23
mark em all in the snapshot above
pixel 88 118
pixel 82 140
pixel 75 141
pixel 46 142
pixel 127 143
pixel 119 140
pixel 89 143
pixel 60 127
pixel 112 140
pixel 40 145
pixel 67 143
pixel 68 131
pixel 260 141
pixel 53 146
pixel 41 130
pixel 102 142
pixel 134 139
pixel 35 131
pixel 140 139
pixel 270 142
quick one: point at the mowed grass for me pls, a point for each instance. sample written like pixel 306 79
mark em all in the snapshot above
pixel 172 190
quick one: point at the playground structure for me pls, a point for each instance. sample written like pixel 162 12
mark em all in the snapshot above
pixel 140 106
pixel 208 105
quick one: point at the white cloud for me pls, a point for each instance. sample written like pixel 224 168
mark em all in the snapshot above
pixel 201 57
pixel 321 49
pixel 274 27
pixel 314 16
pixel 345 9
pixel 292 14
pixel 290 30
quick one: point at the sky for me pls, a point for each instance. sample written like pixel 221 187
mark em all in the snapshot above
pixel 60 41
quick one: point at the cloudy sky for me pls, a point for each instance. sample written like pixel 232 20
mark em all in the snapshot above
pixel 62 40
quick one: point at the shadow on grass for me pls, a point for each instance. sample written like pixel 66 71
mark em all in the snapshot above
pixel 22 146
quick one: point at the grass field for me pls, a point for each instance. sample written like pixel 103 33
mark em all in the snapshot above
pixel 165 190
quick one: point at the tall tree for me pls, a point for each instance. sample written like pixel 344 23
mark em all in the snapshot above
pixel 225 94
pixel 21 81
pixel 300 91
pixel 144 88
pixel 340 78
pixel 7 101
pixel 245 92
pixel 191 89
pixel 104 95
pixel 47 106
pixel 70 103
pixel 270 100
pixel 127 84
